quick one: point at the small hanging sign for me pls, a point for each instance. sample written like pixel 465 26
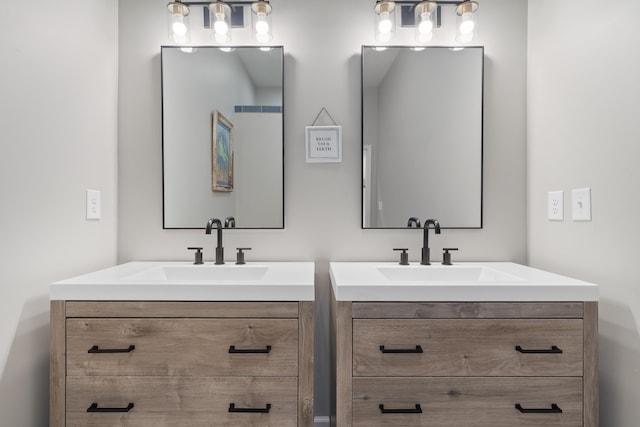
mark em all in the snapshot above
pixel 323 143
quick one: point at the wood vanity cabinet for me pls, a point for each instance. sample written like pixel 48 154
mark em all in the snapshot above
pixel 465 364
pixel 197 364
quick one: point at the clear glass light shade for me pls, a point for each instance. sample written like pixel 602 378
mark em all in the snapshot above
pixel 220 18
pixel 385 22
pixel 178 19
pixel 425 21
pixel 467 21
pixel 261 21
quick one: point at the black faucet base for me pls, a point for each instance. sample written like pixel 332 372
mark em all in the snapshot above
pixel 426 256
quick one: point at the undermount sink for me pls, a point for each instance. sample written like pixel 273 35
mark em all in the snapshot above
pixel 434 273
pixel 202 273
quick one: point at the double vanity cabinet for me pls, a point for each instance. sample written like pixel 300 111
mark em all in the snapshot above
pixel 492 344
pixel 173 344
pixel 176 344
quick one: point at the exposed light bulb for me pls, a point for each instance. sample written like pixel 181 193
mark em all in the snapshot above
pixel 385 25
pixel 178 26
pixel 262 26
pixel 220 26
pixel 425 26
pixel 467 25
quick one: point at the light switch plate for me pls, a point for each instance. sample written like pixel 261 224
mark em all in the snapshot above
pixel 93 204
pixel 581 204
pixel 555 206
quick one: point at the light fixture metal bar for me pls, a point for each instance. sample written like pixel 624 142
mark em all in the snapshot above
pixel 408 19
pixel 237 13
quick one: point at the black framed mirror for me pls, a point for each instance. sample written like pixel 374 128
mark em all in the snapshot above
pixel 223 136
pixel 422 135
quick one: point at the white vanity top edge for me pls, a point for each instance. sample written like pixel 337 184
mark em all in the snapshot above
pixel 140 281
pixel 363 281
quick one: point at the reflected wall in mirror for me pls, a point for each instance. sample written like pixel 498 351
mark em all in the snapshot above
pixel 422 136
pixel 245 85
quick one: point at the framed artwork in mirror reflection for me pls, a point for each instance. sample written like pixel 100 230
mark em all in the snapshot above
pixel 221 153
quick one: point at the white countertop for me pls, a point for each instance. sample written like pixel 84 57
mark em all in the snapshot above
pixel 499 281
pixel 151 281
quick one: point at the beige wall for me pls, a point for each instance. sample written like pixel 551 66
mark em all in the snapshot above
pixel 58 122
pixel 322 201
pixel 583 93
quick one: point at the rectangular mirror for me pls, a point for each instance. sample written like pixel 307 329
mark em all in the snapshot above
pixel 422 136
pixel 222 136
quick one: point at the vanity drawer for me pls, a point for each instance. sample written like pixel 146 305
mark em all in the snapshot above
pixel 471 401
pixel 182 401
pixel 468 347
pixel 182 347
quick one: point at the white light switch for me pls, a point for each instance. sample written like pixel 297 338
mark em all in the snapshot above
pixel 555 206
pixel 581 204
pixel 93 204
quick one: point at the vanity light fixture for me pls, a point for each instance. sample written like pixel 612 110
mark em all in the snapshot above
pixel 425 20
pixel 425 17
pixel 220 17
pixel 178 21
pixel 466 26
pixel 261 21
pixel 385 20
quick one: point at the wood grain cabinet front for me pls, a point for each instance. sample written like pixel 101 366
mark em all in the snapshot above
pixel 229 347
pixel 465 364
pixel 155 364
pixel 464 347
pixel 181 401
pixel 469 402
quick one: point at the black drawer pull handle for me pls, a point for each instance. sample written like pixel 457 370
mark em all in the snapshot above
pixel 553 350
pixel 94 408
pixel 417 410
pixel 555 409
pixel 233 349
pixel 96 349
pixel 418 349
pixel 265 410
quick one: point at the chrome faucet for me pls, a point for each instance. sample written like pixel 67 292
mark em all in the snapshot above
pixel 219 248
pixel 425 244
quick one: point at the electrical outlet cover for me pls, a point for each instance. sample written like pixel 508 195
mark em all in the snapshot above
pixel 555 206
pixel 93 204
pixel 581 204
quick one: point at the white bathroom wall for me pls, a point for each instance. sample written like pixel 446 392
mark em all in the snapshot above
pixel 58 124
pixel 583 92
pixel 322 42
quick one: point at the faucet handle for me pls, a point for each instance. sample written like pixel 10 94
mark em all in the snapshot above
pixel 240 256
pixel 446 256
pixel 404 256
pixel 198 255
